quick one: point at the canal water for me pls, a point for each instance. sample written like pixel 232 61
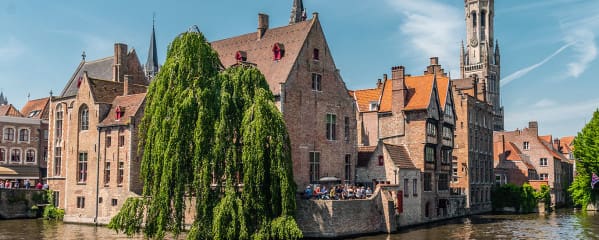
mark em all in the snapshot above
pixel 563 224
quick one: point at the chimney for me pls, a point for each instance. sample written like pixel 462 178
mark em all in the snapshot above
pixel 385 77
pixel 262 24
pixel 556 144
pixel 534 126
pixel 400 92
pixel 434 61
pixel 126 89
pixel 119 66
pixel 379 83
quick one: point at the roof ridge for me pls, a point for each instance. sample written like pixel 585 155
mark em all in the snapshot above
pixel 250 33
pixel 98 60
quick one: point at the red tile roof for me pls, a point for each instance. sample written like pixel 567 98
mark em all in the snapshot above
pixel 9 111
pixel 129 103
pixel 442 87
pixel 365 97
pixel 554 153
pixel 512 153
pixel 546 139
pixel 36 108
pixel 259 51
pixel 420 89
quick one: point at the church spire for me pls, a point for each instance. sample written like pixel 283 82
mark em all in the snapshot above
pixel 298 12
pixel 152 67
pixel 3 100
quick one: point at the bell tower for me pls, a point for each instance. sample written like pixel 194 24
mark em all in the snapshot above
pixel 480 53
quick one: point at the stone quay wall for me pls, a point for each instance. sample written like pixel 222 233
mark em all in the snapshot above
pixel 18 203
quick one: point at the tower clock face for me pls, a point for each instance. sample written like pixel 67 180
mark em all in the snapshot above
pixel 473 42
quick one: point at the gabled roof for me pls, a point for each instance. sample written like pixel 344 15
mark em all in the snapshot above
pixel 105 91
pixel 400 156
pixel 130 104
pixel 259 51
pixel 546 138
pixel 567 141
pixel 9 111
pixel 512 153
pixel 365 97
pixel 36 108
pixel 420 89
pixel 98 69
pixel 554 153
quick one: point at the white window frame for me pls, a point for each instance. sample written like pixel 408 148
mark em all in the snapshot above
pixel 14 133
pixel 20 156
pixel 34 156
pixel 546 163
pixel 18 135
pixel 6 154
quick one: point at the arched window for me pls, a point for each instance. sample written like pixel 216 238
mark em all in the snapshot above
pixel 58 121
pixel 473 15
pixel 483 17
pixel 30 156
pixel 24 135
pixel 9 134
pixel 241 56
pixel 84 118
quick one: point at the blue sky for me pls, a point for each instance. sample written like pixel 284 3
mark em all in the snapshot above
pixel 549 49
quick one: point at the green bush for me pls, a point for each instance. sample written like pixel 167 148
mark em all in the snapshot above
pixel 524 199
pixel 50 211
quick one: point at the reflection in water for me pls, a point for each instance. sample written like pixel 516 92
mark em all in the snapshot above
pixel 563 224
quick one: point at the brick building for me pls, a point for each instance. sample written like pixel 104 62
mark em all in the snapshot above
pixel 472 165
pixel 24 141
pixel 309 91
pixel 416 114
pixel 551 165
pixel 94 164
pixel 511 165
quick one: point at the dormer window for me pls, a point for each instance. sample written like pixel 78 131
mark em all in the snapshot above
pixel 241 56
pixel 278 51
pixel 120 111
pixel 373 106
pixel 316 54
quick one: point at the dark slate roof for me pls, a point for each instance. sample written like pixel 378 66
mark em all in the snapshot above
pixel 129 103
pixel 400 156
pixel 104 91
pixel 259 51
pixel 37 108
pixel 98 69
pixel 152 63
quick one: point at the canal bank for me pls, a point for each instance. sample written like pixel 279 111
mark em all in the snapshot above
pixel 561 224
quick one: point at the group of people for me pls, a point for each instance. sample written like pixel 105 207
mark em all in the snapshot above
pixel 26 184
pixel 338 192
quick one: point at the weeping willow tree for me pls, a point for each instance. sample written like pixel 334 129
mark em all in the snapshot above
pixel 586 151
pixel 214 136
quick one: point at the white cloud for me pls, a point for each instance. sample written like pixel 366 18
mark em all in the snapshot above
pixel 12 48
pixel 585 49
pixel 556 118
pixel 431 29
pixel 520 73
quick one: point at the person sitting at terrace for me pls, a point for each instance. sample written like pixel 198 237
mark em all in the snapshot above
pixel 324 192
pixel 308 192
pixel 368 192
pixel 317 192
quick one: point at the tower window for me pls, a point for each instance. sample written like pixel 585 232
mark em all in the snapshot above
pixel 483 17
pixel 473 14
pixel 316 54
pixel 278 51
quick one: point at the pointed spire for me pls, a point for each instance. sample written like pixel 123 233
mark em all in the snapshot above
pixel 298 12
pixel 497 47
pixel 152 67
pixel 3 100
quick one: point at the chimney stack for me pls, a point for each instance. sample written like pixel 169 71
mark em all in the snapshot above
pixel 534 126
pixel 435 61
pixel 118 67
pixel 262 24
pixel 379 83
pixel 399 89
pixel 126 83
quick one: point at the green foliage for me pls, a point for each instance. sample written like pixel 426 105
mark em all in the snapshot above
pixel 195 121
pixel 50 211
pixel 544 195
pixel 586 151
pixel 523 199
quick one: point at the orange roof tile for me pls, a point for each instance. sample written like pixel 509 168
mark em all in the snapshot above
pixel 555 154
pixel 386 98
pixel 259 51
pixel 546 139
pixel 9 111
pixel 419 93
pixel 365 97
pixel 511 151
pixel 36 108
pixel 442 87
